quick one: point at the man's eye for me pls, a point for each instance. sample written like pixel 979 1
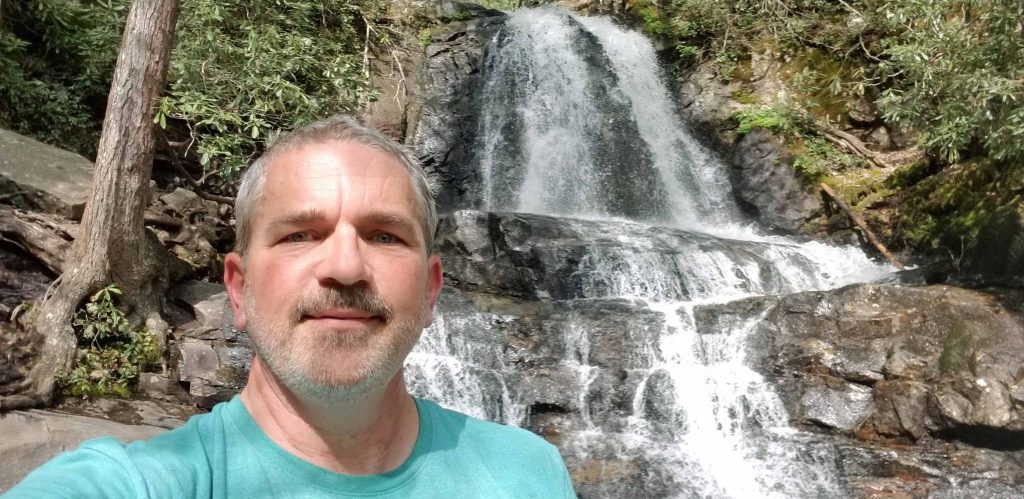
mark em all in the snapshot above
pixel 299 237
pixel 384 238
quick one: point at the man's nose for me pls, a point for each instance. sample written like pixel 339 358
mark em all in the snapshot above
pixel 342 260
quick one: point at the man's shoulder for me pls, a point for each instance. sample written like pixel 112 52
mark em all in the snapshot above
pixel 506 460
pixel 170 461
pixel 497 441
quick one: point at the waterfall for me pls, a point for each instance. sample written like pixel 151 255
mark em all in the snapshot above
pixel 576 121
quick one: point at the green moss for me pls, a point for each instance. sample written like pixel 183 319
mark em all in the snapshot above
pixel 823 82
pixel 777 119
pixel 957 350
pixel 911 174
pixel 425 35
pixel 949 209
pixel 859 187
pixel 744 97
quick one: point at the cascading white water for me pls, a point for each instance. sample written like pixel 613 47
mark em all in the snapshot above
pixel 699 190
pixel 555 127
pixel 721 430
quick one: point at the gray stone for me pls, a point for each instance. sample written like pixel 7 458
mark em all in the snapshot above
pixel 199 361
pixel 766 185
pixel 57 181
pixel 215 369
pixel 843 408
pixel 1017 393
pixel 183 201
pixel 992 406
pixel 208 301
pixel 952 407
pixel 861 112
pixel 902 408
pixel 30 438
pixel 880 138
pixel 160 387
pixel 952 357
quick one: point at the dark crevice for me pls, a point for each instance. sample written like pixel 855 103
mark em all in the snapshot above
pixel 986 437
pixel 546 408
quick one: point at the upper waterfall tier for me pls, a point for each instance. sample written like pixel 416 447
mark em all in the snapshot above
pixel 576 120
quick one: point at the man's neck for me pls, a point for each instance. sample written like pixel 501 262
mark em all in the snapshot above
pixel 372 434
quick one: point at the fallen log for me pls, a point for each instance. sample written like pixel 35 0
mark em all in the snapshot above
pixel 859 221
pixel 46 241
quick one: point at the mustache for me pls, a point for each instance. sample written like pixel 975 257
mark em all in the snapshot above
pixel 342 297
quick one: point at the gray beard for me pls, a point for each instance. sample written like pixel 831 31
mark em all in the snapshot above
pixel 297 370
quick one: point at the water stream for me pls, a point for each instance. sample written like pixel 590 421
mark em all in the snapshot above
pixel 576 121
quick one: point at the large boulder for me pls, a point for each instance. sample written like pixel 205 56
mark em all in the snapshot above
pixel 30 438
pixel 767 186
pixel 51 179
pixel 881 361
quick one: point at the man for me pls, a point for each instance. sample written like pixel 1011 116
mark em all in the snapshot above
pixel 334 279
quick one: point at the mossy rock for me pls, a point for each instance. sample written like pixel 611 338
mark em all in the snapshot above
pixel 999 247
pixel 973 212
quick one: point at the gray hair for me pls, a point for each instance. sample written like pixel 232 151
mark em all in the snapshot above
pixel 334 129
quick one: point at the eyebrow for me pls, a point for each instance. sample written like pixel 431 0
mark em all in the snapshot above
pixel 401 223
pixel 298 218
pixel 376 218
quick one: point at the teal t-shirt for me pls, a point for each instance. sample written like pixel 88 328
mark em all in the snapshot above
pixel 224 454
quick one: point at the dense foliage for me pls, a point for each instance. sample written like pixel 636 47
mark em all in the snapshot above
pixel 242 71
pixel 56 61
pixel 951 69
pixel 957 72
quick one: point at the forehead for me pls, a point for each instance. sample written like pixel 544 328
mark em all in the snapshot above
pixel 346 171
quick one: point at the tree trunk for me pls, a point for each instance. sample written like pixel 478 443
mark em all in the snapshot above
pixel 112 245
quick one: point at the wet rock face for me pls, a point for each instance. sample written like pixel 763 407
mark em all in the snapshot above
pixel 518 75
pixel 540 257
pixel 766 185
pixel 884 361
pixel 447 124
pixel 938 366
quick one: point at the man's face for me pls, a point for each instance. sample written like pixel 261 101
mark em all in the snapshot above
pixel 336 285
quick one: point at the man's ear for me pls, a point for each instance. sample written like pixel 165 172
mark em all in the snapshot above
pixel 234 281
pixel 435 280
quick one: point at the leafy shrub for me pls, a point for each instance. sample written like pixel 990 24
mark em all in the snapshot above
pixel 687 53
pixel 777 119
pixel 955 66
pixel 111 354
pixel 819 158
pixel 56 61
pixel 242 72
